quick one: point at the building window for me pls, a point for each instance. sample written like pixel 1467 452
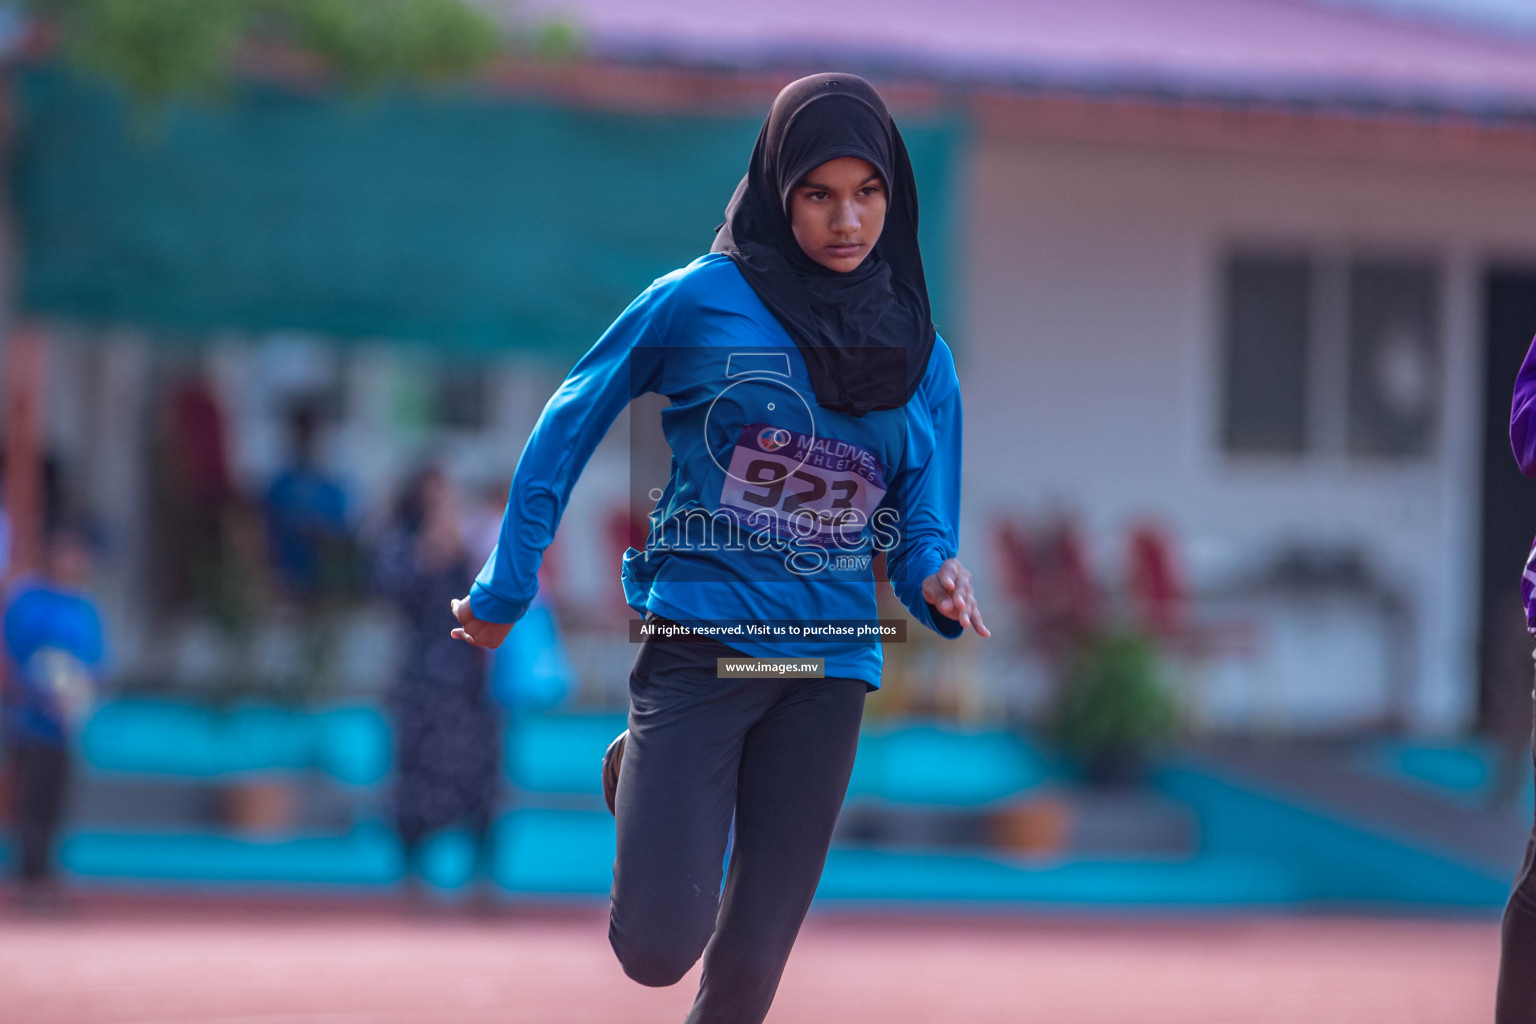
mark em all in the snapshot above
pixel 1267 318
pixel 1330 356
pixel 1394 355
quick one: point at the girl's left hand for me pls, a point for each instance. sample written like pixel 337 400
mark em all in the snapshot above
pixel 949 590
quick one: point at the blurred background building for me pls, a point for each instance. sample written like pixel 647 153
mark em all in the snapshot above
pixel 1237 291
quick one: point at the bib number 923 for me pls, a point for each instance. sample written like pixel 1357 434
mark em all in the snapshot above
pixel 818 495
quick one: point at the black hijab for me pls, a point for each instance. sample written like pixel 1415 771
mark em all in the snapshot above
pixel 865 335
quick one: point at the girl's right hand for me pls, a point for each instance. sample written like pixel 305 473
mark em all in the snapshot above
pixel 475 631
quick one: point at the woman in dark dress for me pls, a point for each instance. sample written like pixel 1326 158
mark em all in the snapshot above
pixel 446 729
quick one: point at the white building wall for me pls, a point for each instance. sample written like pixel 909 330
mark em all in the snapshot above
pixel 1090 360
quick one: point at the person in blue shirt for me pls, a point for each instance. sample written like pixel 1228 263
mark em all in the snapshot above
pixel 55 652
pixel 815 423
pixel 307 529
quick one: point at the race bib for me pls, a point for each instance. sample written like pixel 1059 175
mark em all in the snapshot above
pixel 815 490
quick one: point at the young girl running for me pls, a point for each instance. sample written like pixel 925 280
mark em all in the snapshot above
pixel 815 421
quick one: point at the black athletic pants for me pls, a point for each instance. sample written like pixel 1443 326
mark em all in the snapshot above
pixel 39 781
pixel 777 754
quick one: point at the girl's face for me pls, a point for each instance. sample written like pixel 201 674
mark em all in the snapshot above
pixel 837 212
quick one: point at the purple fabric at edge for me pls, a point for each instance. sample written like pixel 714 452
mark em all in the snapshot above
pixel 1522 438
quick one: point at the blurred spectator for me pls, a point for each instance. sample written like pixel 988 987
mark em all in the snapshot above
pixel 52 510
pixel 482 520
pixel 195 496
pixel 309 539
pixel 447 749
pixel 55 653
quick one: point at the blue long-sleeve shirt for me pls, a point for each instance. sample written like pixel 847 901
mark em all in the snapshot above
pixel 56 653
pixel 750 449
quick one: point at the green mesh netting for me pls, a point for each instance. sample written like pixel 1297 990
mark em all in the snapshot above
pixel 465 220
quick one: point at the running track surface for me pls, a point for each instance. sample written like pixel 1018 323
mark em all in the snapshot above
pixel 265 962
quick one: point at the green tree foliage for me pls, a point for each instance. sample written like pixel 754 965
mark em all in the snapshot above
pixel 374 40
pixel 159 49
